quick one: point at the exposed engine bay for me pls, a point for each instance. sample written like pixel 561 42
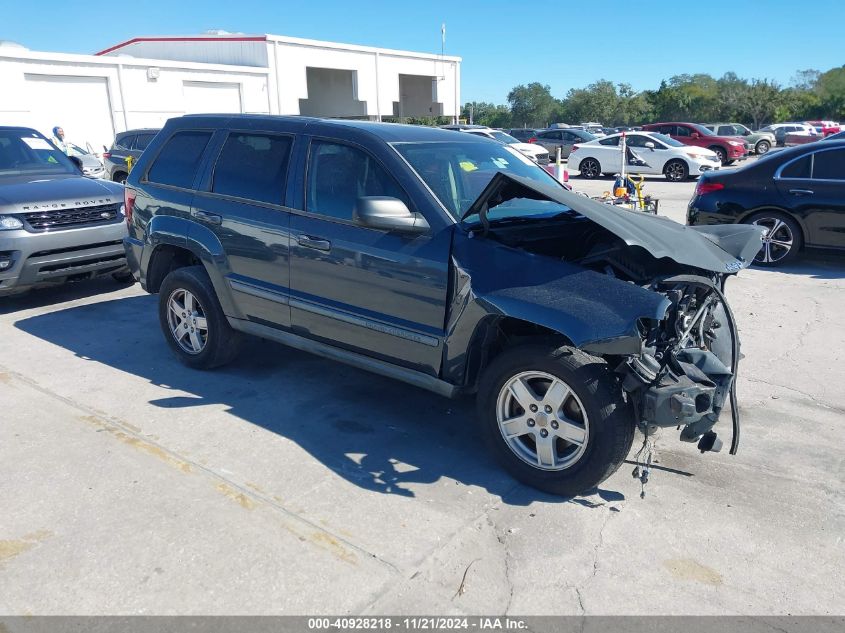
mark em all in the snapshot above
pixel 687 364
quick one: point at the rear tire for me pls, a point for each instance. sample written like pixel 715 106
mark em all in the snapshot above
pixel 783 240
pixel 590 168
pixel 573 445
pixel 193 322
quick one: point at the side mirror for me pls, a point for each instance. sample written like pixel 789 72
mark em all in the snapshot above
pixel 388 214
pixel 650 145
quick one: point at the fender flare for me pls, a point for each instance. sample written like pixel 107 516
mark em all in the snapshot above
pixel 202 243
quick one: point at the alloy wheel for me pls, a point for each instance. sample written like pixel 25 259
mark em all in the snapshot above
pixel 589 168
pixel 542 420
pixel 675 171
pixel 777 240
pixel 187 321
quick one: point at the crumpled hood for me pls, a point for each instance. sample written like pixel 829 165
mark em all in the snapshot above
pixel 18 193
pixel 722 249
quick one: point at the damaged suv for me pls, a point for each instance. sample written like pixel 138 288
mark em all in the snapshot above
pixel 449 262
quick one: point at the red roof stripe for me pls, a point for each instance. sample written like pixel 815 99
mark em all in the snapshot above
pixel 134 40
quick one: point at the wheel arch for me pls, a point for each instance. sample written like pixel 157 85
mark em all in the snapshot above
pixel 745 217
pixel 176 243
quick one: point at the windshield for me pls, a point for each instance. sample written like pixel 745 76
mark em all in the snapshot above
pixel 668 140
pixel 75 150
pixel 25 151
pixel 504 138
pixel 457 172
pixel 701 129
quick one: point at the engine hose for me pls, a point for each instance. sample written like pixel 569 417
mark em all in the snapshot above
pixel 704 282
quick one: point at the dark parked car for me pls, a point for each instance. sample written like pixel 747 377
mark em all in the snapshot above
pixel 446 261
pixel 130 143
pixel 729 148
pixel 797 195
pixel 524 134
pixel 56 225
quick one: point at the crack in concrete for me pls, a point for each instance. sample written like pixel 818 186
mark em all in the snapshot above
pixel 803 393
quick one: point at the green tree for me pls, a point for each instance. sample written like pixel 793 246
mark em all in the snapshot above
pixel 831 91
pixel 482 113
pixel 760 101
pixel 532 105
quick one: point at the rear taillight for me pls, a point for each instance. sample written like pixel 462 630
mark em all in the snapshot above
pixel 533 139
pixel 128 204
pixel 106 154
pixel 707 187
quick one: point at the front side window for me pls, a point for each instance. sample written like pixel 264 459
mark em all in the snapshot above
pixel 253 166
pixel 638 140
pixel 552 136
pixel 457 173
pixel 682 131
pixel 178 161
pixel 27 152
pixel 339 174
pixel 829 165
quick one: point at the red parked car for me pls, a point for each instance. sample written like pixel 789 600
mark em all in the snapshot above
pixel 825 128
pixel 729 148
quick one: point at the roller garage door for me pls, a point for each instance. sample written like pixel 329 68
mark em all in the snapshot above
pixel 80 105
pixel 206 96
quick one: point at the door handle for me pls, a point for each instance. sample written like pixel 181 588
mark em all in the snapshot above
pixel 211 218
pixel 801 192
pixel 313 242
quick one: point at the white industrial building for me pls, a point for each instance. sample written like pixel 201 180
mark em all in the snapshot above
pixel 146 80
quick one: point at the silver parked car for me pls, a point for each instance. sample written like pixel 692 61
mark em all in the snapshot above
pixel 564 139
pixel 55 224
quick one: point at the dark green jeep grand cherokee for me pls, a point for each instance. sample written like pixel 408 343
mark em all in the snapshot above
pixel 447 261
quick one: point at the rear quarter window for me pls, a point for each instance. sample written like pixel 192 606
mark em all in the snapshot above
pixel 253 166
pixel 798 168
pixel 178 161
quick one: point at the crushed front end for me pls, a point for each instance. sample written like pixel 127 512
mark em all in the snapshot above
pixel 687 368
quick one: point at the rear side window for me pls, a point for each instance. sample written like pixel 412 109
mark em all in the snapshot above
pixel 610 140
pixel 178 161
pixel 142 140
pixel 829 165
pixel 799 168
pixel 124 142
pixel 338 175
pixel 253 166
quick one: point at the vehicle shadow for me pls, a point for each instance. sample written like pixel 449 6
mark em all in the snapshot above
pixel 816 266
pixel 331 410
pixel 48 296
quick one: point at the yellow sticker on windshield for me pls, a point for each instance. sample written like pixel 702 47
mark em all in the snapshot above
pixel 50 159
pixel 467 165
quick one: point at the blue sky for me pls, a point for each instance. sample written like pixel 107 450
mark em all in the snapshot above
pixel 502 43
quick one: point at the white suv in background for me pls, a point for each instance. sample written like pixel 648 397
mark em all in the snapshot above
pixel 649 153
pixel 537 153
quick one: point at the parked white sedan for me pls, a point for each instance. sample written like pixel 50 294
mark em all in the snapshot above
pixel 648 153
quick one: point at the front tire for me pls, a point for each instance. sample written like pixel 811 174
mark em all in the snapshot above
pixel 721 153
pixel 762 147
pixel 783 240
pixel 676 170
pixel 555 418
pixel 590 168
pixel 193 322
